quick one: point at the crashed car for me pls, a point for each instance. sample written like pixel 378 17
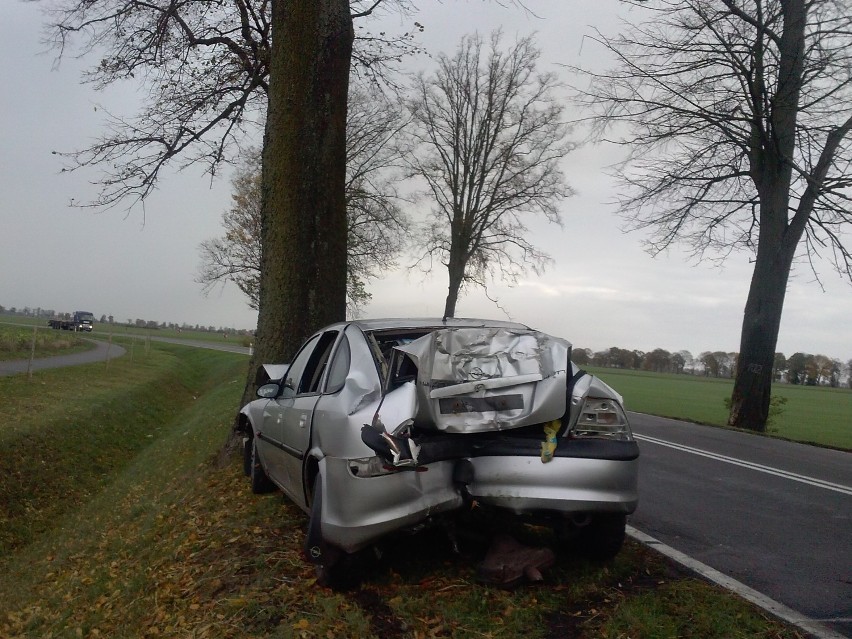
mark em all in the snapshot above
pixel 380 426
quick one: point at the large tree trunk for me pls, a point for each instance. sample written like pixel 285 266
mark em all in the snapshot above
pixel 762 316
pixel 456 275
pixel 303 212
pixel 761 322
pixel 456 265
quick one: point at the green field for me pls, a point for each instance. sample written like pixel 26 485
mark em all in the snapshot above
pixel 812 414
pixel 120 518
pixel 104 330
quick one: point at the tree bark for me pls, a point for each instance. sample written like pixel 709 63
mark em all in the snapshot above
pixel 457 262
pixel 452 292
pixel 303 210
pixel 761 322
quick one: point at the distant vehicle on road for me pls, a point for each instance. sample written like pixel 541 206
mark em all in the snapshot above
pixel 80 321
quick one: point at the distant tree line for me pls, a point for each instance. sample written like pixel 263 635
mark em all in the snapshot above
pixel 799 368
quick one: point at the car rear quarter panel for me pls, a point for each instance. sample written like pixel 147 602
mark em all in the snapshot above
pixel 359 510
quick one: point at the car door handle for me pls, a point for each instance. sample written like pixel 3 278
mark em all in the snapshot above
pixel 303 420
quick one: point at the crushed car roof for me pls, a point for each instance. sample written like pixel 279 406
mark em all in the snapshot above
pixel 430 322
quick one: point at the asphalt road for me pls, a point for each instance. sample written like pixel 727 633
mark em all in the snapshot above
pixel 774 515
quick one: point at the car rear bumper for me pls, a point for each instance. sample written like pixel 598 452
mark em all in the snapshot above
pixel 563 485
pixel 360 510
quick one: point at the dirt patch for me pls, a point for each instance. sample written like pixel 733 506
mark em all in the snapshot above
pixel 383 621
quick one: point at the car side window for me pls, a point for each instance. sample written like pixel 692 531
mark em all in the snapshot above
pixel 297 369
pixel 312 374
pixel 339 366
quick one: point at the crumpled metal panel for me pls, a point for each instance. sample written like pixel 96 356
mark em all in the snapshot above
pixel 358 391
pixel 483 379
pixel 397 409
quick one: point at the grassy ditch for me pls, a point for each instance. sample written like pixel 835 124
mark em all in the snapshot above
pixel 148 537
pixel 68 431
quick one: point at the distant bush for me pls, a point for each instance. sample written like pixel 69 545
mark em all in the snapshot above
pixel 776 409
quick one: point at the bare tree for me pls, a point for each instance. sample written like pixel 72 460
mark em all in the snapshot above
pixel 487 138
pixel 738 116
pixel 211 71
pixel 376 224
pixel 235 257
pixel 685 360
pixel 779 367
pixel 205 68
pixel 797 367
pixel 659 360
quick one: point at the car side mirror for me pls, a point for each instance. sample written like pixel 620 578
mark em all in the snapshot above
pixel 268 391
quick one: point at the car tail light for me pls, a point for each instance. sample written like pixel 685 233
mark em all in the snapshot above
pixel 602 418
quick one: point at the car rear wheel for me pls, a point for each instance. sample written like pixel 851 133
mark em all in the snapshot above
pixel 333 567
pixel 260 483
pixel 247 443
pixel 603 537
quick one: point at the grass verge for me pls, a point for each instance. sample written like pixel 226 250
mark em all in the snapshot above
pixel 18 343
pixel 157 540
pixel 66 432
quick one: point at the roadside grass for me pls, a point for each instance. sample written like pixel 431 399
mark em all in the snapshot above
pixel 65 432
pixel 154 538
pixel 16 342
pixel 812 414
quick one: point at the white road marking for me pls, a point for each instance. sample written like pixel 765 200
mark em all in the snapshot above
pixel 819 483
pixel 770 605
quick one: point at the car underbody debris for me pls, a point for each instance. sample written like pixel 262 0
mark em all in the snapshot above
pixel 508 562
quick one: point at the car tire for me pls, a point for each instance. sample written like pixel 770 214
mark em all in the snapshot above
pixel 247 443
pixel 603 537
pixel 332 566
pixel 260 483
pixel 345 575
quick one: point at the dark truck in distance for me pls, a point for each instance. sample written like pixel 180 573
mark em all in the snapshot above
pixel 80 321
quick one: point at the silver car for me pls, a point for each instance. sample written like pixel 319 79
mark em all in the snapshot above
pixel 379 426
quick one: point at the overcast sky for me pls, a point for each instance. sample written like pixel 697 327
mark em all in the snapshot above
pixel 602 290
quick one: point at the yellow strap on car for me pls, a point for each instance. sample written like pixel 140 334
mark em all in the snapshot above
pixel 548 446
